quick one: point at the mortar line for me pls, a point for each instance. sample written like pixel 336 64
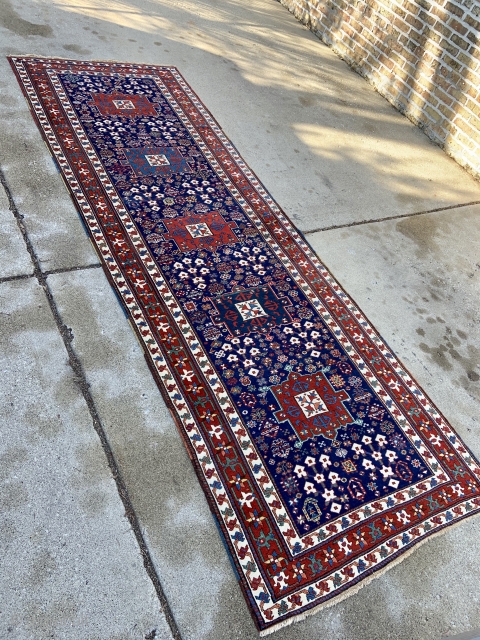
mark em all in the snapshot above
pixel 77 368
pixel 398 217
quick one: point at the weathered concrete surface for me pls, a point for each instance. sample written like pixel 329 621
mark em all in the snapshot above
pixel 332 152
pixel 70 566
pixel 14 260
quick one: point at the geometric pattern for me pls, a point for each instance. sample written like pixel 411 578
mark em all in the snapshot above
pixel 250 309
pixel 199 230
pixel 151 161
pixel 312 406
pixel 207 231
pixel 257 309
pixel 119 104
pixel 311 403
pixel 323 461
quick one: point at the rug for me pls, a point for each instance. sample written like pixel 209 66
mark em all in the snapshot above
pixel 323 461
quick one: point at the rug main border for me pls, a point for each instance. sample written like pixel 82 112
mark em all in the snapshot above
pixel 372 334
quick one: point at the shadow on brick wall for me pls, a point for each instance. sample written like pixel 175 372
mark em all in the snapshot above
pixel 423 56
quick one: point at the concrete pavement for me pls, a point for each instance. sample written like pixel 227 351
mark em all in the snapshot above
pixel 357 178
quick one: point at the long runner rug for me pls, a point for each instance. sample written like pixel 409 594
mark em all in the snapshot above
pixel 324 462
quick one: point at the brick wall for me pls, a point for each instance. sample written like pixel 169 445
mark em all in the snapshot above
pixel 422 55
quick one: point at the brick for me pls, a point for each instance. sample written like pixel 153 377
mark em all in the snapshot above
pixel 449 47
pixel 415 22
pixel 440 81
pixel 442 28
pixel 434 48
pixel 420 39
pixel 466 140
pixel 470 76
pixel 434 115
pixel 400 86
pixel 451 62
pixel 385 60
pixel 400 24
pixel 427 20
pixel 461 111
pixel 379 34
pixel 418 100
pixel 370 37
pixel 435 36
pixel 442 96
pixel 463 44
pixel 458 26
pixel 467 130
pixel 446 111
pixel 348 31
pixel 455 93
pixel 409 69
pixel 464 59
pixel 412 46
pixel 424 4
pixel 425 72
pixel 453 147
pixel 411 80
pixel 474 52
pixel 474 107
pixel 454 8
pixel 474 38
pixel 368 47
pixel 422 87
pixel 472 22
pixel 473 93
pixel 438 131
pixel 454 77
pixel 410 7
pixel 387 14
pixel 440 12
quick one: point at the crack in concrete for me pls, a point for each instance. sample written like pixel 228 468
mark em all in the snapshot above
pixel 400 216
pixel 74 361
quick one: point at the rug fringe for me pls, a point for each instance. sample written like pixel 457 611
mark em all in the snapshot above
pixel 366 581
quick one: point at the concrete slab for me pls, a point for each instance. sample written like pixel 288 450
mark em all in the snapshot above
pixel 69 563
pixel 297 113
pixel 14 259
pixel 432 593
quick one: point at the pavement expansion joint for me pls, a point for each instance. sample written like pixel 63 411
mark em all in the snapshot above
pixel 22 276
pixel 53 272
pixel 385 219
pixel 80 378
